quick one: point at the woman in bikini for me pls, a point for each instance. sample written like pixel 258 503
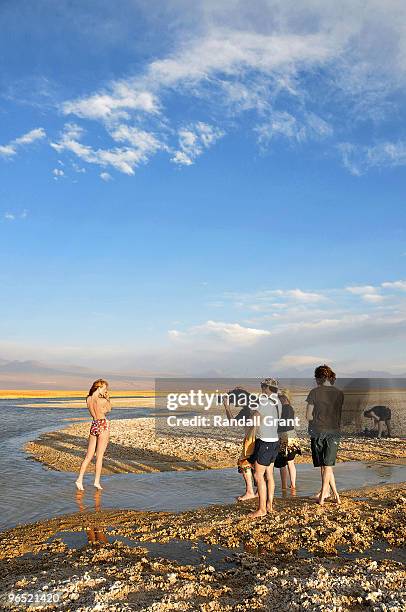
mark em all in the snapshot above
pixel 98 404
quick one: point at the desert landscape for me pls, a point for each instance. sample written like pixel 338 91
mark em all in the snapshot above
pixel 347 557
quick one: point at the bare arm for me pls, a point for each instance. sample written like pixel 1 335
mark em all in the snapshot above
pixel 90 406
pixel 250 432
pixel 309 412
pixel 227 408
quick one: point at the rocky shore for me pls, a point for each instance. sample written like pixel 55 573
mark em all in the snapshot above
pixel 137 446
pixel 302 557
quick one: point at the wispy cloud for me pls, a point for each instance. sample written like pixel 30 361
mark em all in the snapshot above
pixel 124 159
pixel 308 74
pixel 310 126
pixel 368 293
pixel 193 140
pixel 58 173
pixel 359 159
pixel 399 284
pixel 11 149
pixel 227 333
pixel 15 216
pixel 124 96
pixel 343 325
pixel 265 63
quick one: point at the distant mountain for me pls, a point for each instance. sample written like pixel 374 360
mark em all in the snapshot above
pixel 38 367
pixel 32 374
pixel 372 374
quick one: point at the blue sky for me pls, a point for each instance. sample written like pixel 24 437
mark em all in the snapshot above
pixel 196 188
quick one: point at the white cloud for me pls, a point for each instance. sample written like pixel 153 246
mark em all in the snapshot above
pixel 10 149
pixel 362 289
pixel 368 293
pixel 271 298
pixel 58 173
pixel 193 140
pixel 298 361
pixel 293 128
pixel 13 216
pixel 373 297
pixel 264 58
pixel 302 296
pixel 399 284
pixel 359 159
pixel 124 159
pixel 124 96
pixel 225 333
pixel 105 176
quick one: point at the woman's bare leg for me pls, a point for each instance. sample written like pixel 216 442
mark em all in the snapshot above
pixel 292 473
pixel 102 442
pixel 283 471
pixel 91 447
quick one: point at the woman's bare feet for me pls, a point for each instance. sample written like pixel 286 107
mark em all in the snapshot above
pixel 257 514
pixel 79 485
pixel 337 499
pixel 247 496
pixel 269 508
pixel 98 486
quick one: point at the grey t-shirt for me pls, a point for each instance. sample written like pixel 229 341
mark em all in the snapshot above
pixel 270 414
pixel 327 402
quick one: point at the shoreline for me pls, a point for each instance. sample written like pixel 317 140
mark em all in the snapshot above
pixel 68 394
pixel 302 555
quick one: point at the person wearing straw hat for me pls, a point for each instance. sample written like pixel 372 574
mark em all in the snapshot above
pixel 266 448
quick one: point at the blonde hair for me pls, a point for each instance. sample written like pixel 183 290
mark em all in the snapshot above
pixel 96 385
pixel 286 393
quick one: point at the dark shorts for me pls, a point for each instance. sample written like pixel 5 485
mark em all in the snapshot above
pixel 324 449
pixel 283 458
pixel 264 453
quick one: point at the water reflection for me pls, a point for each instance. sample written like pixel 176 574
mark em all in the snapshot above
pixel 95 535
pixel 382 470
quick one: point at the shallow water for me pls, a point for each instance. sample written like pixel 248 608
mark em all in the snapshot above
pixel 182 551
pixel 31 492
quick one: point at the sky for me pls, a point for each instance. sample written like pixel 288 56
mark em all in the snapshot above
pixel 202 188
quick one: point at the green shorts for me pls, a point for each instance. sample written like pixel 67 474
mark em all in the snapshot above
pixel 324 449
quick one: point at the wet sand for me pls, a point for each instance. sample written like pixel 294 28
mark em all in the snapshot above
pixel 302 557
pixel 135 447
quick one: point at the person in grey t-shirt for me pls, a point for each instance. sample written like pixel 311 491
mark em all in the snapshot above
pixel 266 448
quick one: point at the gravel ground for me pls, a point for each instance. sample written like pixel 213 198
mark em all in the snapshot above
pixel 302 557
pixel 136 447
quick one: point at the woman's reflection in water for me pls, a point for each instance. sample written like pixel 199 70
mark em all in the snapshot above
pixel 95 535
